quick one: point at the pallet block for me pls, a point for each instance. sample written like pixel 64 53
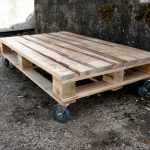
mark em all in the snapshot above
pixel 24 63
pixel 63 91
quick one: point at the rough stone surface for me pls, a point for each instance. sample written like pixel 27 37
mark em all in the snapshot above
pixel 120 21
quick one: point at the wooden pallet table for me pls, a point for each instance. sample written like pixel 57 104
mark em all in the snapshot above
pixel 77 65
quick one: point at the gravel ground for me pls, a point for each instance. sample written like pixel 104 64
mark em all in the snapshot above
pixel 115 120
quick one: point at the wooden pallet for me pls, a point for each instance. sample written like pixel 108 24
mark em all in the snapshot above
pixel 70 58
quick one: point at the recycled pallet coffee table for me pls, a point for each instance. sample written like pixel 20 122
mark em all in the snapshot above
pixel 77 65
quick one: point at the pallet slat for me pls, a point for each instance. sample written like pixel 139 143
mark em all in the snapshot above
pixel 120 47
pixel 66 45
pixel 73 55
pixel 49 37
pixel 66 62
pixel 48 65
pixel 96 47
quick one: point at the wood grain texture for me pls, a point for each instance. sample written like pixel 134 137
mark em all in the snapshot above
pixel 48 65
pixel 69 58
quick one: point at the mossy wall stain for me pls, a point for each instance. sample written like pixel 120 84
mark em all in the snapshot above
pixel 107 12
pixel 143 14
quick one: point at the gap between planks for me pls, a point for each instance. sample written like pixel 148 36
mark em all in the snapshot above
pixel 81 64
pixel 95 47
pixel 52 67
pixel 101 86
pixel 134 52
pixel 70 50
pixel 82 91
pixel 36 77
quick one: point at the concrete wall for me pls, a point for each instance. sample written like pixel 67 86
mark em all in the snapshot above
pixel 120 21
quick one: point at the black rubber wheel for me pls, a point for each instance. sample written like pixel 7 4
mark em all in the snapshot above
pixel 5 62
pixel 60 116
pixel 147 86
pixel 142 91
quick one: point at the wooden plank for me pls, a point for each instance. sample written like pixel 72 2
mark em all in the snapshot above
pixel 85 50
pixel 104 72
pixel 131 50
pixel 67 46
pixel 37 78
pixel 46 64
pixel 97 45
pixel 71 64
pixel 121 51
pixel 74 55
pixel 12 57
pixel 101 86
pixel 108 52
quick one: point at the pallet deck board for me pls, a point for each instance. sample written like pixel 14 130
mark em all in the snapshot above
pixel 83 59
pixel 47 64
pixel 71 64
pixel 70 47
pixel 112 47
pixel 134 52
pixel 96 47
pixel 70 58
pixel 73 54
pixel 111 44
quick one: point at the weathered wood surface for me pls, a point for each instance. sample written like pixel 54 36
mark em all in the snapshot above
pixel 70 57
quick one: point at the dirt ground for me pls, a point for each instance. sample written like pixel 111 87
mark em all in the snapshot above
pixel 113 121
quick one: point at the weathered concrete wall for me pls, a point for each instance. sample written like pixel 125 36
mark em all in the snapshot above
pixel 121 21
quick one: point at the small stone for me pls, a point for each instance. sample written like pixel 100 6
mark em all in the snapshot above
pixel 39 106
pixel 99 95
pixel 19 96
pixel 147 108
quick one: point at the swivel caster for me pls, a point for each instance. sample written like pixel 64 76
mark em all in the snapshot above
pixel 144 90
pixel 60 113
pixel 5 62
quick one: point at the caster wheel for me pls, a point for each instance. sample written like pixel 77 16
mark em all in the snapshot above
pixel 60 113
pixel 5 62
pixel 142 91
pixel 147 85
pixel 145 89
